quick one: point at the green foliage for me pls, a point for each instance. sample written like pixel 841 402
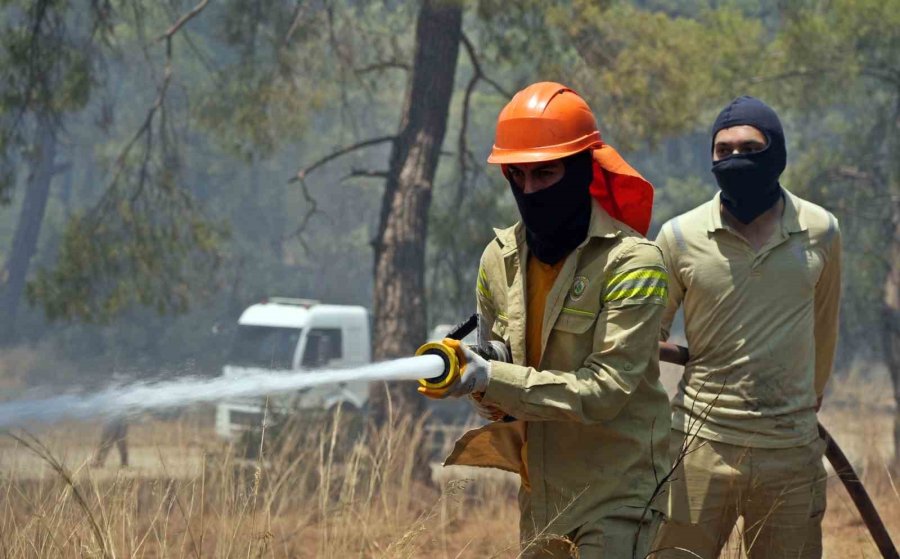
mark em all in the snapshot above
pixel 653 76
pixel 126 252
pixel 835 68
pixel 46 68
pixel 262 89
pixel 460 228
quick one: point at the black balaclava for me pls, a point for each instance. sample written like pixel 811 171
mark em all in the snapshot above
pixel 557 218
pixel 749 182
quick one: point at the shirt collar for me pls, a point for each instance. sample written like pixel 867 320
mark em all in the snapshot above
pixel 714 216
pixel 791 220
pixel 602 224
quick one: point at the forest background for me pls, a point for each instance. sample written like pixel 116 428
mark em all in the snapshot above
pixel 165 164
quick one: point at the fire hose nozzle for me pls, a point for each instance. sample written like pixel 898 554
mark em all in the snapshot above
pixel 490 350
pixel 448 355
pixel 450 375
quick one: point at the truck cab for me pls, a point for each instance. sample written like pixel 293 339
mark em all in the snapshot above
pixel 290 335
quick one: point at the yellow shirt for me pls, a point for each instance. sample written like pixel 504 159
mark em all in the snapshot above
pixel 538 282
pixel 761 326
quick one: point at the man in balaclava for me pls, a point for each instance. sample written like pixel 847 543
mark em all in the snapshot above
pixel 574 293
pixel 757 270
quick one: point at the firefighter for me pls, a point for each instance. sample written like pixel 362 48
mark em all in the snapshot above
pixel 115 432
pixel 757 270
pixel 576 293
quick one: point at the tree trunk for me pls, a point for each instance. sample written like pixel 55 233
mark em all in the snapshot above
pixel 891 324
pixel 891 301
pixel 28 229
pixel 399 292
pixel 67 186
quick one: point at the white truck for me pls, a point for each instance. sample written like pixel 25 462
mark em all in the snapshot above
pixel 282 334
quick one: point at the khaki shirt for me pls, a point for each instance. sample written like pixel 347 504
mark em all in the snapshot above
pixel 594 413
pixel 761 327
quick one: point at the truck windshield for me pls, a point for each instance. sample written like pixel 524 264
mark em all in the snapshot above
pixel 264 346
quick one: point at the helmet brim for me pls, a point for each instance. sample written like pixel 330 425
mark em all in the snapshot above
pixel 500 156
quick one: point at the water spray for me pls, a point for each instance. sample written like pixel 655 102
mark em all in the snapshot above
pixel 143 396
pixel 434 365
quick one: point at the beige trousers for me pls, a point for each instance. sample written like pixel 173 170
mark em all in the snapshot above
pixel 780 493
pixel 604 538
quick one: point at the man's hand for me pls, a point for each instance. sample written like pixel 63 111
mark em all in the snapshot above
pixel 475 373
pixel 671 353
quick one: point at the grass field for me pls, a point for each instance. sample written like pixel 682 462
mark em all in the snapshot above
pixel 315 493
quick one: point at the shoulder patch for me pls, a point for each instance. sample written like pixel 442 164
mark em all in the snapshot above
pixel 578 286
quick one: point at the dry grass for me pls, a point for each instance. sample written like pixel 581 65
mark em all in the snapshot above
pixel 315 493
pixel 859 412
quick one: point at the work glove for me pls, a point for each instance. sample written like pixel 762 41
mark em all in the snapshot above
pixel 493 351
pixel 475 373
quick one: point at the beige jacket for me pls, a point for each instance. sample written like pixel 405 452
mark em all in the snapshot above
pixel 594 414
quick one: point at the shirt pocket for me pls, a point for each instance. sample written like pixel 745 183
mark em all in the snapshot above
pixel 571 339
pixel 574 320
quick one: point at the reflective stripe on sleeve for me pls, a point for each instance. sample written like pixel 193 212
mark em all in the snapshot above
pixel 483 283
pixel 650 284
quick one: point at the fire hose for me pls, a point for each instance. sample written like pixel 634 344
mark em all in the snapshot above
pixel 859 495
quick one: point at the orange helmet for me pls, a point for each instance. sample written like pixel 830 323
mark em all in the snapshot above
pixel 544 121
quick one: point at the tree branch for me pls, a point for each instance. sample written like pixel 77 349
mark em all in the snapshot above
pixel 345 57
pixel 366 173
pixel 146 128
pixel 299 12
pixel 815 72
pixel 891 77
pixel 304 221
pixel 382 66
pixel 182 21
pixel 301 174
pixel 470 50
pixel 464 154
